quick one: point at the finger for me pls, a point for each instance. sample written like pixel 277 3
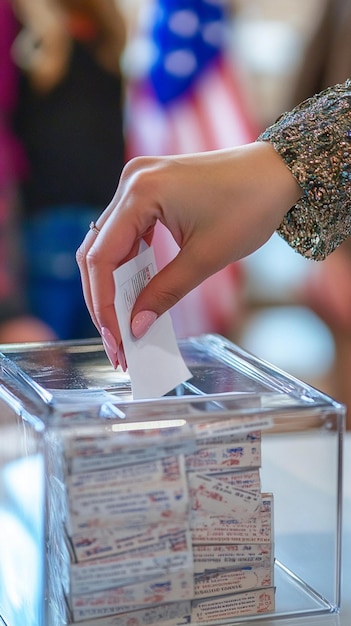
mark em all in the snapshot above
pixel 167 287
pixel 110 333
pixel 110 339
pixel 81 255
pixel 83 251
pixel 117 242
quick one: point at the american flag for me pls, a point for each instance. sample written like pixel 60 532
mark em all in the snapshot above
pixel 189 99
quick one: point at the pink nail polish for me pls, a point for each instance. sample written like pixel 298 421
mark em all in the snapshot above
pixel 110 346
pixel 122 357
pixel 142 322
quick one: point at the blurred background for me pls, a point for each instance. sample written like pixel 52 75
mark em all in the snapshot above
pixel 91 83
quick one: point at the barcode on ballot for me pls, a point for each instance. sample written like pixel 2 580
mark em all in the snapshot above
pixel 133 287
pixel 140 280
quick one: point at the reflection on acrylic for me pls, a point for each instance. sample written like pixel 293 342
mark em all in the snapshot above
pixel 21 542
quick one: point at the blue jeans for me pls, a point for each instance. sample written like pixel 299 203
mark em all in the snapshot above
pixel 52 277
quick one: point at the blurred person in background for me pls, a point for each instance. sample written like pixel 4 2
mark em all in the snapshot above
pixel 69 119
pixel 16 324
pixel 327 289
pixel 327 56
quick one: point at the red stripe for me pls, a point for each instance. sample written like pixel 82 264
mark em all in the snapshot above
pixel 191 124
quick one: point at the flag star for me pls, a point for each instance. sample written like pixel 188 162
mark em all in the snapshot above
pixel 180 63
pixel 184 23
pixel 213 33
pixel 188 35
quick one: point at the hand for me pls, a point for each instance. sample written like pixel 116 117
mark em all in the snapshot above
pixel 219 206
pixel 37 15
pixel 43 46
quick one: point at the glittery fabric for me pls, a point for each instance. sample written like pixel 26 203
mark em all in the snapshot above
pixel 314 139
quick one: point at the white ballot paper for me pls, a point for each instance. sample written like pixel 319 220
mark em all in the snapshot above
pixel 155 364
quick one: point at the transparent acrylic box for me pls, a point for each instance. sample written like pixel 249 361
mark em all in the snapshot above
pixel 73 439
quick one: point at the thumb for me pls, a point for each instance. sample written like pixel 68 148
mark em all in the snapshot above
pixel 163 291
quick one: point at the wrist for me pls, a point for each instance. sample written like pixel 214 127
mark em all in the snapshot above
pixel 278 178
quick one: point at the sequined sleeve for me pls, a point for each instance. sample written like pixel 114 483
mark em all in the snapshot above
pixel 314 139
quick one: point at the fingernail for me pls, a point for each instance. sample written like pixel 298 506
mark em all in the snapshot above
pixel 122 357
pixel 142 322
pixel 110 346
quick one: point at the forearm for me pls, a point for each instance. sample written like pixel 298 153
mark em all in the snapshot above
pixel 314 140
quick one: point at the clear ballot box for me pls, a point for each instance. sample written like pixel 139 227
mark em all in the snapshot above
pixel 219 503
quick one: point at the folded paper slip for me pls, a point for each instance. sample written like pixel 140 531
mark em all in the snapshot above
pixel 256 602
pixel 214 529
pixel 166 589
pixel 231 581
pixel 214 557
pixel 174 614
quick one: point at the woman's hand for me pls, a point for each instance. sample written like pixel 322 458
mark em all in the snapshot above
pixel 219 206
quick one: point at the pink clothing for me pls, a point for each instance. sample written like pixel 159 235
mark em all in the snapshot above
pixel 11 156
pixel 12 164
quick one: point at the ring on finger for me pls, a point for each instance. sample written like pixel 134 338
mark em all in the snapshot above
pixel 94 228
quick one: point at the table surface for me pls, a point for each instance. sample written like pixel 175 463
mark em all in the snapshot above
pixel 344 618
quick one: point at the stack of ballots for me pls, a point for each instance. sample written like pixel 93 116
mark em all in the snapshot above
pixel 164 526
